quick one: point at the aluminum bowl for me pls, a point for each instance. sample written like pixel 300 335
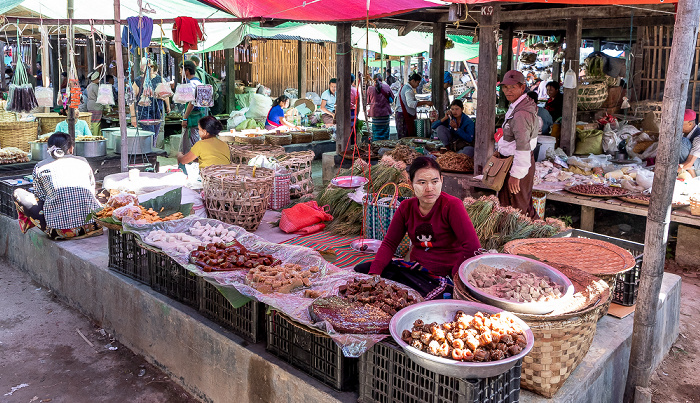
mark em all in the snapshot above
pixel 349 182
pixel 441 311
pixel 511 262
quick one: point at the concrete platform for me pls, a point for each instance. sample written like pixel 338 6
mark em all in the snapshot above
pixel 218 366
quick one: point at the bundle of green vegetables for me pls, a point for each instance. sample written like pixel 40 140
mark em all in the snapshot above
pixel 495 225
pixel 250 124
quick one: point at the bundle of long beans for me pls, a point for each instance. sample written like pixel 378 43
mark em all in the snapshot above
pixel 21 98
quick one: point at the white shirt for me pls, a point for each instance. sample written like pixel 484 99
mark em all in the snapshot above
pixel 409 98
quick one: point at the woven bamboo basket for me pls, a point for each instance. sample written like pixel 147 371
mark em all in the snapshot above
pixel 592 96
pixel 241 154
pixel 641 108
pixel 321 134
pixel 237 194
pixel 48 121
pixel 694 206
pixel 6 116
pixel 257 140
pixel 562 339
pixel 301 137
pixel 299 165
pixel 18 134
pixel 278 139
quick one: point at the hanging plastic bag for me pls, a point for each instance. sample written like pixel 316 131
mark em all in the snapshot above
pixel 163 91
pixel 204 96
pixel 129 96
pixel 184 93
pixel 44 97
pixel 236 118
pixel 105 96
pixel 145 101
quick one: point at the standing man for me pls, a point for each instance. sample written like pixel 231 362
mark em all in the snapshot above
pixel 519 139
pixel 38 76
pixel 328 103
pixel 192 114
pixel 200 73
pixel 406 107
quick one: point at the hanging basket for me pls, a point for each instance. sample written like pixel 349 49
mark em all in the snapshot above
pixel 237 194
pixel 299 165
pixel 592 96
pixel 18 134
pixel 241 154
pixel 301 137
pixel 278 139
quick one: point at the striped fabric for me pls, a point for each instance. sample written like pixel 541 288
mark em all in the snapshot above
pixel 346 256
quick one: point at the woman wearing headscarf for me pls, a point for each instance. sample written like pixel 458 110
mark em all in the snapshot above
pixel 379 100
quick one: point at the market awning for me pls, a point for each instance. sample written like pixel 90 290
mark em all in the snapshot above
pixel 577 2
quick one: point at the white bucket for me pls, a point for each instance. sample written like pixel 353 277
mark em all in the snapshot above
pixel 546 143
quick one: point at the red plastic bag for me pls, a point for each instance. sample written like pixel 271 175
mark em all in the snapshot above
pixel 301 216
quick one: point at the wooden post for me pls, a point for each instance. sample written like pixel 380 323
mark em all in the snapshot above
pixel 659 213
pixel 573 54
pixel 506 59
pixel 70 63
pixel 301 68
pixel 486 102
pixel 406 68
pixel 90 54
pixel 596 45
pixel 2 65
pixel 120 82
pixel 437 67
pixel 342 96
pixel 638 67
pixel 230 80
pixel 45 60
pixel 33 57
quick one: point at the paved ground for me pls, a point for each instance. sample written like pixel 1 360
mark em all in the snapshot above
pixel 44 358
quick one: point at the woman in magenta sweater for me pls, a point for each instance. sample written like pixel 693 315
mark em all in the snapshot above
pixel 440 230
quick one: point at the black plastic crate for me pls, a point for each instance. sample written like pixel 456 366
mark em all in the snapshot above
pixel 388 375
pixel 626 283
pixel 312 352
pixel 127 257
pixel 247 321
pixel 169 278
pixel 7 190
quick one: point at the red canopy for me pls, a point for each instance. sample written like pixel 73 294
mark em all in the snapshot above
pixel 317 10
pixel 577 2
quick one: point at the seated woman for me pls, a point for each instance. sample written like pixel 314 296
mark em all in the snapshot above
pixel 456 129
pixel 555 103
pixel 82 128
pixel 440 230
pixel 64 194
pixel 275 118
pixel 209 150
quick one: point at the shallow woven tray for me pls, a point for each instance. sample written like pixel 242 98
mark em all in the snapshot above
pixel 320 134
pixel 593 256
pixel 257 140
pixel 608 196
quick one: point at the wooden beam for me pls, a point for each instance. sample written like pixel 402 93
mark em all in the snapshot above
pixel 437 68
pixel 82 21
pixel 644 333
pixel 506 59
pixel 591 13
pixel 230 79
pixel 603 23
pixel 572 56
pixel 301 68
pixel 410 26
pixel 342 96
pixel 637 68
pixel 486 97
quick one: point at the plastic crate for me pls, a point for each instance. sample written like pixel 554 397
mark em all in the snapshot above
pixel 312 352
pixel 127 257
pixel 171 279
pixel 7 190
pixel 388 375
pixel 247 321
pixel 626 283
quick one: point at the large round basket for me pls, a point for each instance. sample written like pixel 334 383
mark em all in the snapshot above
pixel 18 134
pixel 321 134
pixel 592 96
pixel 237 194
pixel 241 154
pixel 301 137
pixel 278 139
pixel 299 165
pixel 563 337
pixel 257 140
pixel 48 121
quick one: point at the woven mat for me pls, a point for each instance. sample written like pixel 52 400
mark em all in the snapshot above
pixel 346 256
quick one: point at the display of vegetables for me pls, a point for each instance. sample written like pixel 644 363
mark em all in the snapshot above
pixel 249 124
pixel 229 256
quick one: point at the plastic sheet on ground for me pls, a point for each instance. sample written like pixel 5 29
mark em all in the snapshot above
pixel 294 304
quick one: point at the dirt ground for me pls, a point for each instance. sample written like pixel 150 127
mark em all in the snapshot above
pixel 44 357
pixel 677 378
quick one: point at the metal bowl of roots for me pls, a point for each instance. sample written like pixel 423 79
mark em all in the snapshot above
pixel 518 264
pixel 442 311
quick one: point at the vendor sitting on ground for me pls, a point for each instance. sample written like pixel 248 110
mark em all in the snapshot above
pixel 82 128
pixel 456 129
pixel 690 145
pixel 555 103
pixel 441 232
pixel 209 150
pixel 544 116
pixel 275 118
pixel 64 194
pixel 328 103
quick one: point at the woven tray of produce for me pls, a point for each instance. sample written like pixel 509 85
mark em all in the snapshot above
pixel 455 162
pixel 597 190
pixel 590 255
pixel 644 200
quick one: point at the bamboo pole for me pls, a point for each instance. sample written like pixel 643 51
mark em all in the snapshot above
pixel 70 44
pixel 120 82
pixel 658 216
